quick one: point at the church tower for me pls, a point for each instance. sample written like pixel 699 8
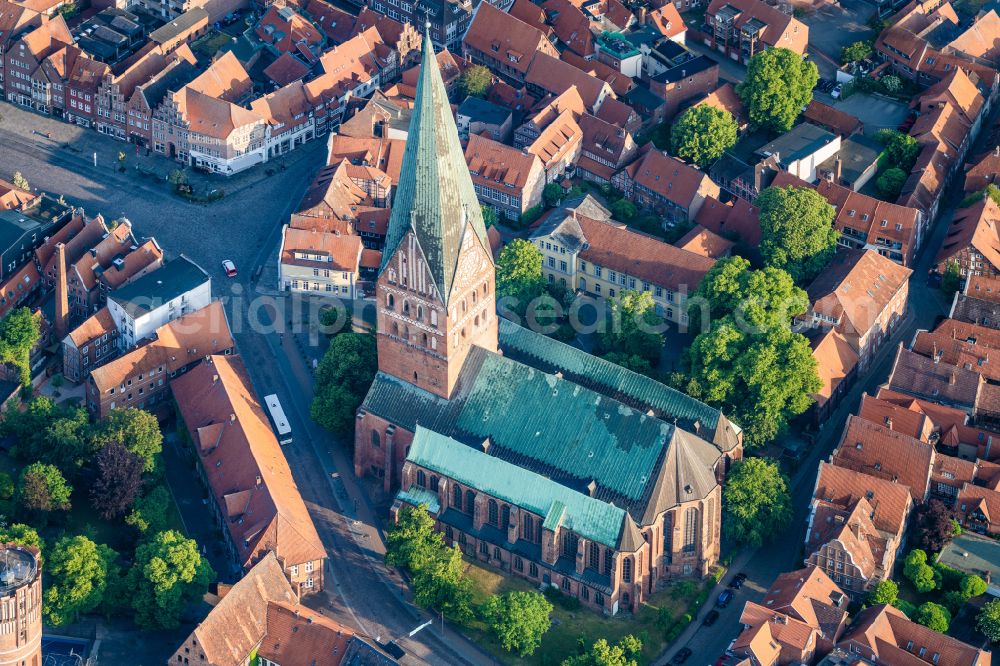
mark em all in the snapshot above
pixel 435 287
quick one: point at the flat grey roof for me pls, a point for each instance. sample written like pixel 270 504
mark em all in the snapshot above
pixel 151 291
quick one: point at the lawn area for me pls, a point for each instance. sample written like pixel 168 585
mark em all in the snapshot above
pixel 209 45
pixel 573 627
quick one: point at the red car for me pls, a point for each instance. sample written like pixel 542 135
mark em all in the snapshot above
pixel 229 267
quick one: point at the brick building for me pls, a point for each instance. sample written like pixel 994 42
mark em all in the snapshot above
pixel 743 28
pixel 525 502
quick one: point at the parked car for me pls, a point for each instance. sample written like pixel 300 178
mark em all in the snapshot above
pixel 229 267
pixel 710 619
pixel 681 656
pixel 724 598
pixel 729 650
pixel 736 583
pixel 835 93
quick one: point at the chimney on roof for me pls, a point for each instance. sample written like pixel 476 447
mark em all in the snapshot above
pixel 591 488
pixel 486 445
pixel 259 480
pixel 62 294
pixel 888 422
pixel 641 16
pixel 838 168
pixel 215 379
pixel 697 426
pixel 952 378
pixel 232 418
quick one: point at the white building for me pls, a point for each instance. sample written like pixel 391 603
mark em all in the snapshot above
pixel 138 309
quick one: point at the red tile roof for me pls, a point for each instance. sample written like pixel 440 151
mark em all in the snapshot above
pixel 835 360
pixel 873 449
pixel 975 227
pixel 502 36
pixel 891 502
pixel 244 465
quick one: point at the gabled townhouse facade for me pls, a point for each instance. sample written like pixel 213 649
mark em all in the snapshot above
pixel 26 83
pixel 972 243
pixel 322 263
pixel 503 43
pixel 507 179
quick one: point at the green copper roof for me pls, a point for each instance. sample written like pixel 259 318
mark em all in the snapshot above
pixel 434 197
pixel 590 518
pixel 561 429
pixel 417 496
pixel 611 379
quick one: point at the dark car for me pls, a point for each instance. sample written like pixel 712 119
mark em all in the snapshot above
pixel 710 619
pixel 681 656
pixel 742 577
pixel 736 583
pixel 724 598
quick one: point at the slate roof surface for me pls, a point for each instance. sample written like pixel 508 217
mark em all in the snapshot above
pixel 590 518
pixel 435 189
pixel 153 290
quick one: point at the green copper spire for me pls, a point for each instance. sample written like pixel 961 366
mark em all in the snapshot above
pixel 434 197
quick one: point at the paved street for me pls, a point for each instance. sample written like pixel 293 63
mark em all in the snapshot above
pixel 244 227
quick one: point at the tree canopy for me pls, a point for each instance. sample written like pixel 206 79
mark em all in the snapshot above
pixel 475 81
pixel 76 576
pixel 342 380
pixel 22 535
pixel 748 362
pixel 552 193
pixel 900 149
pixel 702 134
pixel 933 616
pixel 19 181
pixel 168 574
pixel 623 210
pixel 920 573
pixel 149 512
pixel 42 489
pixel 518 620
pixel 778 85
pixel 623 653
pixel 756 501
pixel 797 231
pixel 136 430
pixel 857 51
pixel 890 183
pixel 972 586
pixel 988 620
pixel 490 217
pixel 633 327
pixel 884 592
pixel 19 332
pixel 934 527
pixel 519 276
pixel 117 482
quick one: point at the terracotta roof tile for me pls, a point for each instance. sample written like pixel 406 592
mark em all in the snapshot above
pixel 571 26
pixel 832 119
pixel 983 287
pixel 855 531
pixel 976 227
pixel 504 37
pixel 780 29
pixel 737 218
pixel 497 164
pixel 835 360
pixel 672 179
pixel 299 636
pixel 891 502
pixel 246 456
pixel 556 76
pixel 922 377
pixel 887 632
pixel 344 251
pixel 286 69
pixel 14 289
pixel 706 243
pixel 909 420
pixel 726 99
pixel 874 449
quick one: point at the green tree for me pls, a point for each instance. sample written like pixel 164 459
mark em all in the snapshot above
pixel 177 178
pixel 168 574
pixel 951 280
pixel 933 616
pixel 900 149
pixel 972 586
pixel 702 134
pixel 475 81
pixel 778 85
pixel 20 182
pixel 149 513
pixel 7 486
pixel 518 620
pixel 342 380
pixel 988 620
pixel 135 429
pixel 890 183
pixel 22 535
pixel 519 276
pixel 755 501
pixel 884 592
pixel 762 299
pixel 490 217
pixel 633 326
pixel 623 210
pixel 797 231
pixel 760 379
pixel 42 488
pixel 552 194
pixel 624 653
pixel 855 52
pixel 412 541
pixel 892 83
pixel 76 576
pixel 441 584
pixel 920 573
pixel 19 332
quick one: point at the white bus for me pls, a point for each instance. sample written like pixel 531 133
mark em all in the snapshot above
pixel 278 419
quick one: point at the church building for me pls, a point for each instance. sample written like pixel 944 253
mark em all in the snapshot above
pixel 533 456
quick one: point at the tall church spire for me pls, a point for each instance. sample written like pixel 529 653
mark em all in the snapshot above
pixel 434 197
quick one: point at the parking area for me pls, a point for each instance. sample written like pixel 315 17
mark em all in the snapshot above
pixel 833 27
pixel 875 112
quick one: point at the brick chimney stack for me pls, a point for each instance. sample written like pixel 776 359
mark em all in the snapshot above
pixel 62 294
